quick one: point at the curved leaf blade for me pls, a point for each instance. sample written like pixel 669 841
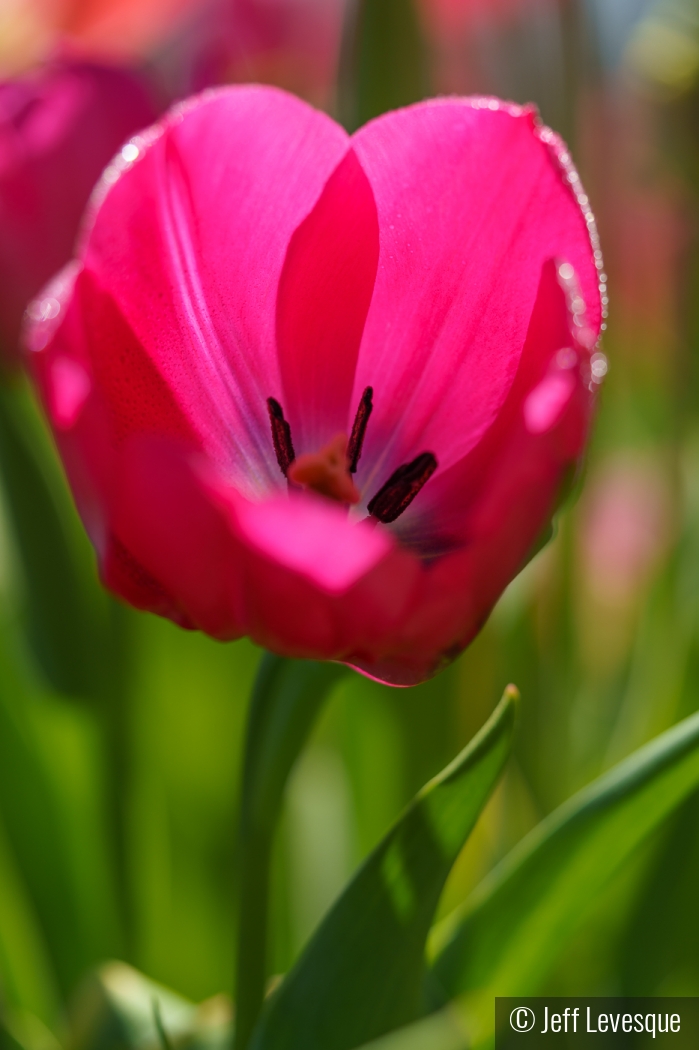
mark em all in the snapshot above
pixel 362 973
pixel 51 826
pixel 444 1030
pixel 505 939
pixel 65 610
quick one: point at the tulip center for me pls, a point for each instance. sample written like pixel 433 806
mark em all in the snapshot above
pixel 329 472
pixel 326 472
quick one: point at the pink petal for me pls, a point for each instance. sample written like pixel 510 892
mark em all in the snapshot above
pixel 459 590
pixel 493 506
pixel 471 203
pixel 324 295
pixel 228 571
pixel 451 501
pixel 190 242
pixel 70 385
pixel 313 537
pixel 546 402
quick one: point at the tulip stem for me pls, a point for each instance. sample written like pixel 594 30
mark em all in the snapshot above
pixel 286 699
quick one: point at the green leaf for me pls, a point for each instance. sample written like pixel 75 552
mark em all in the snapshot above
pixel 26 974
pixel 49 790
pixel 507 936
pixel 443 1030
pixel 66 612
pixel 362 973
pixel 286 699
pixel 21 1030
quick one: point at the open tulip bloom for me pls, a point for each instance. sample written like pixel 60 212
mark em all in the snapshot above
pixel 325 390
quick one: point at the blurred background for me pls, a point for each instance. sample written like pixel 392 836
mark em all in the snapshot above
pixel 120 736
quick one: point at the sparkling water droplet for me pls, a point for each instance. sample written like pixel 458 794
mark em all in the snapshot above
pixel 599 367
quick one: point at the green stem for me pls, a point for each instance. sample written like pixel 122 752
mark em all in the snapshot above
pixel 383 61
pixel 286 699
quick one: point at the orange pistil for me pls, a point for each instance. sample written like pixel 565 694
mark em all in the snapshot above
pixel 326 472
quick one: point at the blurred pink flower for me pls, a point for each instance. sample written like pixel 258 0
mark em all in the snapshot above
pixel 292 44
pixel 59 127
pixel 324 390
pixel 449 16
pixel 625 528
pixel 507 47
pixel 105 29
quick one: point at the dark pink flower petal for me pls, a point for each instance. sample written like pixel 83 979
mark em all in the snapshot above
pixel 320 325
pixel 444 518
pixel 294 575
pixel 471 203
pixel 494 505
pixel 191 243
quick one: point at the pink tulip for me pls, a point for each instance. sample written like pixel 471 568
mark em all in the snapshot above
pixel 58 130
pixel 254 284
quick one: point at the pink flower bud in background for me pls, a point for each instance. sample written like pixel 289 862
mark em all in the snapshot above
pixel 626 527
pixel 448 16
pixel 323 390
pixel 293 44
pixel 59 127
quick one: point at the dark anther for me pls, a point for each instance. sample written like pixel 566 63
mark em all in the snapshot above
pixel 281 435
pixel 401 488
pixel 354 447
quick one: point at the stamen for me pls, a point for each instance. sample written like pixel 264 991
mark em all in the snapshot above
pixel 281 436
pixel 401 488
pixel 326 472
pixel 354 448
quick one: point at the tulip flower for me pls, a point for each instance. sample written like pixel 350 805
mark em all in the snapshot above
pixel 324 390
pixel 58 129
